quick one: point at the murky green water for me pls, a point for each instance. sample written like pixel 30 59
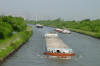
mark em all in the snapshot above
pixel 87 50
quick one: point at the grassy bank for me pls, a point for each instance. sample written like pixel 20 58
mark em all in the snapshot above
pixel 93 34
pixel 14 32
pixel 87 26
pixel 8 45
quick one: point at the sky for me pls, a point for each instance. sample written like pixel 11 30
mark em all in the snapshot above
pixel 51 9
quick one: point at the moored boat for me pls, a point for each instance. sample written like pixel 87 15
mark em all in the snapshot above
pixel 66 31
pixel 58 30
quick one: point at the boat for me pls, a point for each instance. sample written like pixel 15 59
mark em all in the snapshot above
pixel 66 31
pixel 58 30
pixel 56 47
pixel 39 26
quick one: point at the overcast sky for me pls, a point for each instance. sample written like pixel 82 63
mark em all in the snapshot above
pixel 49 9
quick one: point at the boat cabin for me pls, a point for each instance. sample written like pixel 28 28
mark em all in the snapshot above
pixel 58 50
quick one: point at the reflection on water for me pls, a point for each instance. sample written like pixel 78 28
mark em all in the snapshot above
pixel 87 51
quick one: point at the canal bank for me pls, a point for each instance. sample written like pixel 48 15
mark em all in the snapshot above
pixel 92 34
pixel 14 43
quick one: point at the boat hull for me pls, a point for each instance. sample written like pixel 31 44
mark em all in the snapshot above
pixel 60 54
pixel 58 31
pixel 39 26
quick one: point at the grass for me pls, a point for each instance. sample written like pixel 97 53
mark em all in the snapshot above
pixel 10 44
pixel 1 41
pixel 93 34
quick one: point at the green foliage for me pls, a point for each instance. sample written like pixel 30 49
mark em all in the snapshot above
pixel 5 30
pixel 13 32
pixel 8 24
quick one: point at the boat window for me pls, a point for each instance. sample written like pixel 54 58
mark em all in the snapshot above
pixel 58 51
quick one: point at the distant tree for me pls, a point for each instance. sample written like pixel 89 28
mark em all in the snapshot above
pixel 85 20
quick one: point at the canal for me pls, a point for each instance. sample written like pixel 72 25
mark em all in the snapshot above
pixel 87 50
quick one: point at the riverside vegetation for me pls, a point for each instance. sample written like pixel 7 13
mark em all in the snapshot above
pixel 13 33
pixel 86 26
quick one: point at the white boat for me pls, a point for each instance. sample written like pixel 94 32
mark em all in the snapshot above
pixel 39 26
pixel 66 31
pixel 58 30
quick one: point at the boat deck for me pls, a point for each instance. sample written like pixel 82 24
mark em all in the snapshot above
pixel 55 42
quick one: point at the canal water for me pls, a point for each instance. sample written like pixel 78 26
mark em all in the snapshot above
pixel 87 50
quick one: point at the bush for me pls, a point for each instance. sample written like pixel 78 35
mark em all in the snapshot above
pixel 5 30
pixel 8 24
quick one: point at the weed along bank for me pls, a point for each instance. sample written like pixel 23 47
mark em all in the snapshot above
pixel 56 47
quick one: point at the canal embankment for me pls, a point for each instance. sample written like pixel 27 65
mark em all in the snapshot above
pixel 92 34
pixel 12 44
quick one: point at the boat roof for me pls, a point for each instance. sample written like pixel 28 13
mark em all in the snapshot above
pixel 51 34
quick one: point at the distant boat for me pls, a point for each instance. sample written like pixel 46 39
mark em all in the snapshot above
pixel 66 31
pixel 56 47
pixel 58 30
pixel 39 26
